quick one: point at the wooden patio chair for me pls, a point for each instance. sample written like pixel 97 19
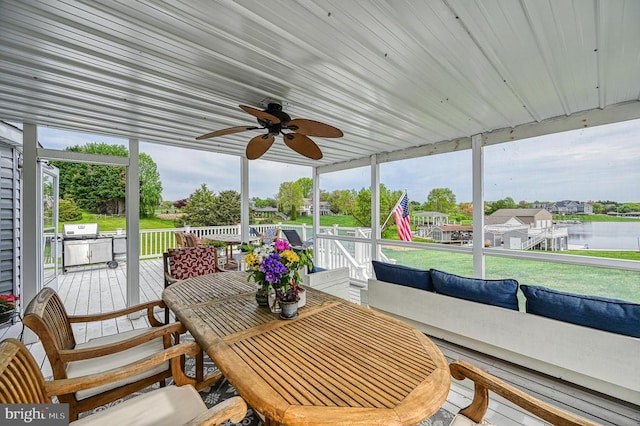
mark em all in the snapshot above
pixel 47 317
pixel 192 240
pixel 180 239
pixel 485 382
pixel 187 262
pixel 268 236
pixel 22 382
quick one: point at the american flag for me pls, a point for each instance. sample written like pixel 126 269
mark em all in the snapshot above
pixel 403 221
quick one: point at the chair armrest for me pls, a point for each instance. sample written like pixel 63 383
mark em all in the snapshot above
pixel 485 382
pixel 149 306
pixel 68 386
pixel 170 279
pixel 96 351
pixel 234 409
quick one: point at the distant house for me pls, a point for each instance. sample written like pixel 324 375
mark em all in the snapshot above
pixel 452 234
pixel 565 207
pixel 307 208
pixel 524 229
pixel 429 218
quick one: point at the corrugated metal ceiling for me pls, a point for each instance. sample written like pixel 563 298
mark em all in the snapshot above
pixel 391 74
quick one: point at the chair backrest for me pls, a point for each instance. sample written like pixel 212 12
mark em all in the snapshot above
pixel 21 381
pixel 180 240
pixel 48 318
pixel 191 262
pixel 270 235
pixel 192 240
pixel 293 237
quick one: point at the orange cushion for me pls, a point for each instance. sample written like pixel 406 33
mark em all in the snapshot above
pixel 191 262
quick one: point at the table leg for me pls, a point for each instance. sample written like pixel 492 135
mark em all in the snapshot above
pixel 231 263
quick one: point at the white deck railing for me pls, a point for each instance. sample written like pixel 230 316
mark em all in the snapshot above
pixel 330 253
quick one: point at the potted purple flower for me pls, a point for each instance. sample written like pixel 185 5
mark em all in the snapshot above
pixel 275 269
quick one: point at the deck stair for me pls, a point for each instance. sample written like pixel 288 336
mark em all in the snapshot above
pixel 534 241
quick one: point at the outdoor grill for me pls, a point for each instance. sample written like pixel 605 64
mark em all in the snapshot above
pixel 83 245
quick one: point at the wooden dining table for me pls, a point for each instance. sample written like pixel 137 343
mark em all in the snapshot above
pixel 230 240
pixel 335 363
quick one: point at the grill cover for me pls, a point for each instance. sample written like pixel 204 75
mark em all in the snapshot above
pixel 82 230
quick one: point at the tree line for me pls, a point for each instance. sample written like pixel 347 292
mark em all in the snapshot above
pixel 101 189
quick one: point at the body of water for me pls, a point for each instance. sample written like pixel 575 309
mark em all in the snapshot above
pixel 605 235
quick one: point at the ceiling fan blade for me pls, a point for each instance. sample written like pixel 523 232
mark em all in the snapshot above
pixel 314 128
pixel 260 115
pixel 228 131
pixel 259 145
pixel 303 145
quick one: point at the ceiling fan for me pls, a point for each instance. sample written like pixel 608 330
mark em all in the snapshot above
pixel 276 121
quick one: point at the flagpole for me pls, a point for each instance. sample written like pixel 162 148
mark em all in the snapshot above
pixel 394 209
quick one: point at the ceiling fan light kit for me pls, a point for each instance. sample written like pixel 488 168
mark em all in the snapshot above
pixel 276 121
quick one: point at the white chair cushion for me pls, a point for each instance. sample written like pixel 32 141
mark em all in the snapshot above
pixel 170 406
pixel 103 363
pixel 460 420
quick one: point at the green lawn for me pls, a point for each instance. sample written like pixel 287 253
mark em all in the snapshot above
pixel 572 278
pixel 345 221
pixel 113 223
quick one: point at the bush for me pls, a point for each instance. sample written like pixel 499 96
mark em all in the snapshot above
pixel 68 211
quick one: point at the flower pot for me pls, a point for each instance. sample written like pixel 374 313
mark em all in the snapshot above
pixel 302 297
pixel 262 298
pixel 6 316
pixel 289 309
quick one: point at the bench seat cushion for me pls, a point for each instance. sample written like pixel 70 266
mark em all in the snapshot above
pixel 602 313
pixel 403 275
pixel 119 359
pixel 168 406
pixel 502 293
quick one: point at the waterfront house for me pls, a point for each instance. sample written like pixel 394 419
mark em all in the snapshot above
pixel 565 207
pixel 424 80
pixel 523 229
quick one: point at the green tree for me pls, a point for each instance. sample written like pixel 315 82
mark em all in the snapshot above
pixel 150 185
pixel 505 203
pixel 68 211
pixel 200 208
pixel 362 209
pixel 441 200
pixel 226 208
pixel 102 188
pixel 598 208
pixel 306 186
pixel 342 201
pixel 290 198
pixel 266 202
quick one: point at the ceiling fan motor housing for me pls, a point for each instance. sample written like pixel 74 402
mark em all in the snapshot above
pixel 275 110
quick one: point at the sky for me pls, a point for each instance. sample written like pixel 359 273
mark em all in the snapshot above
pixel 574 165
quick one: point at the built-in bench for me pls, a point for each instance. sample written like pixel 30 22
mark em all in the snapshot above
pixel 332 281
pixel 590 341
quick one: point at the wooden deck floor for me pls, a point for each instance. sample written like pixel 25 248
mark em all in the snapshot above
pixel 86 290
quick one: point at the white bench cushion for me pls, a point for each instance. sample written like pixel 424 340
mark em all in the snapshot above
pixel 104 363
pixel 170 406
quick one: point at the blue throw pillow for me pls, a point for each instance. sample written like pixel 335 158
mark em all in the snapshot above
pixel 501 293
pixel 614 315
pixel 403 275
